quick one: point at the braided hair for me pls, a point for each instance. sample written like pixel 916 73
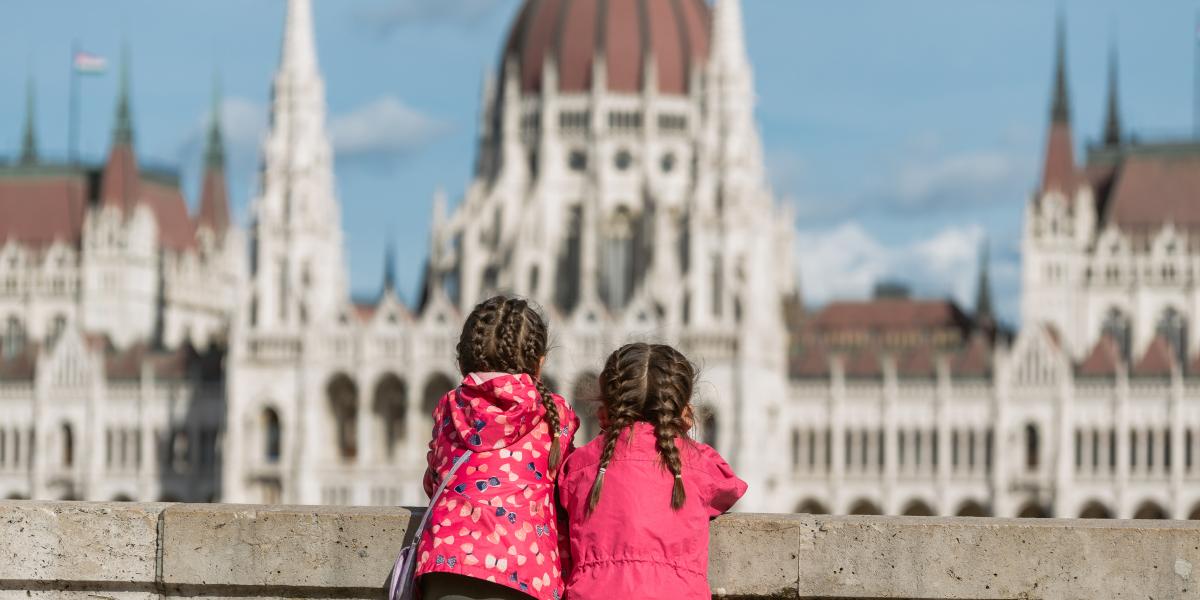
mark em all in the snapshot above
pixel 509 335
pixel 650 383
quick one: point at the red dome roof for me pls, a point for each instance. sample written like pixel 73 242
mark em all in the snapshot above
pixel 676 32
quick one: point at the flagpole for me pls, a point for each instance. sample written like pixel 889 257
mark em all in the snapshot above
pixel 73 117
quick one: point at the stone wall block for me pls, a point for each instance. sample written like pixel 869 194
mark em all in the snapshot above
pixel 756 555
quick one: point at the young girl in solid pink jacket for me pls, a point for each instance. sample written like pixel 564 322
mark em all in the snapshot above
pixel 494 531
pixel 639 498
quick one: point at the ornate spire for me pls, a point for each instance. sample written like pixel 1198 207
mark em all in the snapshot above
pixel 29 152
pixel 214 195
pixel 1060 110
pixel 1058 172
pixel 389 267
pixel 123 130
pixel 299 47
pixel 214 153
pixel 983 294
pixel 1112 120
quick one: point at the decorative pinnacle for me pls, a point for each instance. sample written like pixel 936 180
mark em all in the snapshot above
pixel 214 154
pixel 123 131
pixel 29 152
pixel 1060 111
pixel 1112 121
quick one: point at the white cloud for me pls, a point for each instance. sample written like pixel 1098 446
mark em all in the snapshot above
pixel 968 179
pixel 385 130
pixel 394 14
pixel 846 262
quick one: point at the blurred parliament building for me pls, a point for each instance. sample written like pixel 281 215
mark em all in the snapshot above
pixel 151 353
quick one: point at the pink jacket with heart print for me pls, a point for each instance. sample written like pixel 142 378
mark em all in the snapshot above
pixel 634 545
pixel 496 520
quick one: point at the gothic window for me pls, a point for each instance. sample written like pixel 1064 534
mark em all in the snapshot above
pixel 577 160
pixel 343 403
pixel 668 162
pixel 1078 449
pixel 954 448
pixel 14 338
pixel 795 449
pixel 272 436
pixel 718 285
pixel 901 444
pixel 1116 326
pixel 435 388
pixel 1133 449
pixel 617 283
pixel 1173 326
pixel 1032 447
pixel 566 286
pixel 68 446
pixel 623 160
pixel 391 410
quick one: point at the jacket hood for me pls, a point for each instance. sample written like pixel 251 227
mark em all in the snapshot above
pixel 493 410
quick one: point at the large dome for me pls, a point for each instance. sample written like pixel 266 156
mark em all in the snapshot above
pixel 574 32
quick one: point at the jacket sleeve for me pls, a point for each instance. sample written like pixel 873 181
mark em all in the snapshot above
pixel 725 488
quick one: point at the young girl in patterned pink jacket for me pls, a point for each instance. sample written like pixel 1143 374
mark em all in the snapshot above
pixel 494 534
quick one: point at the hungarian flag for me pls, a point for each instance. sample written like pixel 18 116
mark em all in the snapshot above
pixel 89 64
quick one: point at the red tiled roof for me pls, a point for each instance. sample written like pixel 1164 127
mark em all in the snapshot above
pixel 918 361
pixel 40 210
pixel 1152 190
pixel 890 313
pixel 119 183
pixel 573 32
pixel 973 360
pixel 214 202
pixel 811 362
pixel 364 312
pixel 175 228
pixel 1060 172
pixel 1157 360
pixel 1103 360
pixel 864 362
pixel 171 364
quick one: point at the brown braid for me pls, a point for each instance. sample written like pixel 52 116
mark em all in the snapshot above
pixel 652 384
pixel 505 334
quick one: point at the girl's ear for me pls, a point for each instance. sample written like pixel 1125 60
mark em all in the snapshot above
pixel 689 417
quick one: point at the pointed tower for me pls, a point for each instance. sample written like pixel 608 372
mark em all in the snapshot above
pixel 300 275
pixel 731 92
pixel 389 267
pixel 120 178
pixel 1112 119
pixel 1059 174
pixel 984 317
pixel 29 151
pixel 214 195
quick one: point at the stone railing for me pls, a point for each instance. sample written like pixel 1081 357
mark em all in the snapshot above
pixel 117 551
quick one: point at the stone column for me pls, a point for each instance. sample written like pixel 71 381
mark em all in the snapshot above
pixel 837 398
pixel 1177 509
pixel 942 440
pixel 890 465
pixel 1121 423
pixel 1001 381
pixel 1064 457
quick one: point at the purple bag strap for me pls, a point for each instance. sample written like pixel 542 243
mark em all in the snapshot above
pixel 420 531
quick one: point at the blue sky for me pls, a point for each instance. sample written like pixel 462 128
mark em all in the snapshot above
pixel 904 132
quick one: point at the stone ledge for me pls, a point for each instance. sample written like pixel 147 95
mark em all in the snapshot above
pixel 69 550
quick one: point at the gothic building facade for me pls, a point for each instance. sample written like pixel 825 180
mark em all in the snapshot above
pixel 114 305
pixel 149 353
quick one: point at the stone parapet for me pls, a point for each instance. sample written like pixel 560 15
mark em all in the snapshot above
pixel 86 550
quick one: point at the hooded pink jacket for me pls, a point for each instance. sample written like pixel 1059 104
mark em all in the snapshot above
pixel 497 519
pixel 634 545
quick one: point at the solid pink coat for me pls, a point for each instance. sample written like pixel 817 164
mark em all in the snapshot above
pixel 497 519
pixel 634 545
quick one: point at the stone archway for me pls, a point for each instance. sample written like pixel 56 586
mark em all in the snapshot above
pixel 812 506
pixel 1195 514
pixel 865 507
pixel 390 408
pixel 342 396
pixel 1033 510
pixel 971 508
pixel 1095 510
pixel 918 508
pixel 1150 510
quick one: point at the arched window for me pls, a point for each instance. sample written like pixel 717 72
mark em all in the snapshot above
pixel 343 403
pixel 272 436
pixel 1095 510
pixel 585 398
pixel 1033 510
pixel 616 285
pixel 918 508
pixel 391 410
pixel 795 450
pixel 68 445
pixel 812 507
pixel 865 507
pixel 1173 326
pixel 13 342
pixel 971 508
pixel 1032 447
pixel 1116 326
pixel 1150 510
